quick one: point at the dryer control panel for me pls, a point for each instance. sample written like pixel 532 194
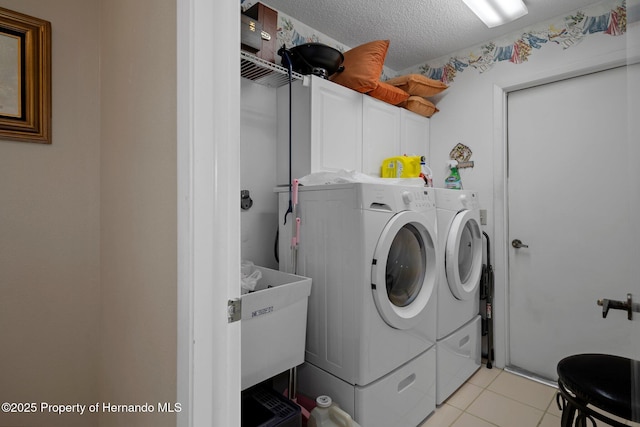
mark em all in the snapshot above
pixel 455 200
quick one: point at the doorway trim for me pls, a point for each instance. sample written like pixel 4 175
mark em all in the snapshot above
pixel 500 245
pixel 208 178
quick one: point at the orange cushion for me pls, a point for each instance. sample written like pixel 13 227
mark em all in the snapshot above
pixel 390 94
pixel 419 105
pixel 417 84
pixel 363 66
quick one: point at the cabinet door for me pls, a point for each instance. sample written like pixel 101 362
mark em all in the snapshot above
pixel 414 134
pixel 380 134
pixel 336 127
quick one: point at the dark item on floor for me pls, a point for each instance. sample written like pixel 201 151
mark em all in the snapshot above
pixel 486 295
pixel 263 407
pixel 606 382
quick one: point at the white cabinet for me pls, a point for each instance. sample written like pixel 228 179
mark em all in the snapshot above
pixel 414 134
pixel 380 134
pixel 326 129
pixel 389 131
pixel 333 128
pixel 336 125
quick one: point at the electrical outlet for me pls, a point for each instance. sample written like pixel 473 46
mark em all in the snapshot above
pixel 483 217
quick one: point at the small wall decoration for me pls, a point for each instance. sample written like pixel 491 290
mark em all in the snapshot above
pixel 25 78
pixel 462 154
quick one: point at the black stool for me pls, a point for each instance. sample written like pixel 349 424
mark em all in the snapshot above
pixel 609 383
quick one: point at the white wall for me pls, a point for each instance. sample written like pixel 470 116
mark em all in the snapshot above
pixel 258 172
pixel 50 233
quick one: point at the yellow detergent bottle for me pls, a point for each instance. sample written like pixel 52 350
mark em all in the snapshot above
pixel 401 167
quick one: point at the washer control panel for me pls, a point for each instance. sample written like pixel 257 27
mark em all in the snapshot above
pixel 396 198
pixel 418 199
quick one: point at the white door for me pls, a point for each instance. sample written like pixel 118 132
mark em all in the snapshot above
pixel 574 199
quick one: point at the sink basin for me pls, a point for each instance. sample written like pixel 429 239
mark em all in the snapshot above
pixel 273 325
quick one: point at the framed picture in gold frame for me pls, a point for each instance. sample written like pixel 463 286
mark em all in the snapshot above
pixel 25 78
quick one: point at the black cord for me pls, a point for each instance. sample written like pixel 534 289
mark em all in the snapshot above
pixel 276 252
pixel 288 59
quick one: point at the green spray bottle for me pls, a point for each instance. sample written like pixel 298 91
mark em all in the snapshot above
pixel 453 181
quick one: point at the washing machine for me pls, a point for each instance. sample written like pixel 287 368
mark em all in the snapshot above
pixel 371 251
pixel 458 326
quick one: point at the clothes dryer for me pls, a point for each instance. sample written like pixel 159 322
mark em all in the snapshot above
pixel 460 267
pixel 371 251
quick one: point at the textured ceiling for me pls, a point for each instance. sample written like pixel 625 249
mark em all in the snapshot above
pixel 419 30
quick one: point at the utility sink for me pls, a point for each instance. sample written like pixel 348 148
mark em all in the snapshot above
pixel 274 325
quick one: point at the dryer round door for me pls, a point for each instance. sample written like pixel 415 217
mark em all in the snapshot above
pixel 463 255
pixel 403 273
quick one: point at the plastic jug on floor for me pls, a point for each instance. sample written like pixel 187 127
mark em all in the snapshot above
pixel 329 414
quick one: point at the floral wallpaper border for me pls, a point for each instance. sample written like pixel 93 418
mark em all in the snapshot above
pixel 607 17
pixel 566 33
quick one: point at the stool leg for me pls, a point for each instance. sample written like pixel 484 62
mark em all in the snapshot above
pixel 568 413
pixel 572 416
pixel 581 420
pixel 568 410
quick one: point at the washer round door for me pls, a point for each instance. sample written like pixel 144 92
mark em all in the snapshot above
pixel 463 255
pixel 403 273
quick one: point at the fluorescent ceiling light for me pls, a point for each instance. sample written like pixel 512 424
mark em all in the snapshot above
pixel 497 12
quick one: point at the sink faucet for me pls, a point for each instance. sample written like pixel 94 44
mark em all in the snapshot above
pixel 629 306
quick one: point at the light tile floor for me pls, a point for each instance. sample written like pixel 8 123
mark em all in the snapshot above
pixel 493 397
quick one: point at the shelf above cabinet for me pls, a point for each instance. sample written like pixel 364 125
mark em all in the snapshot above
pixel 264 72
